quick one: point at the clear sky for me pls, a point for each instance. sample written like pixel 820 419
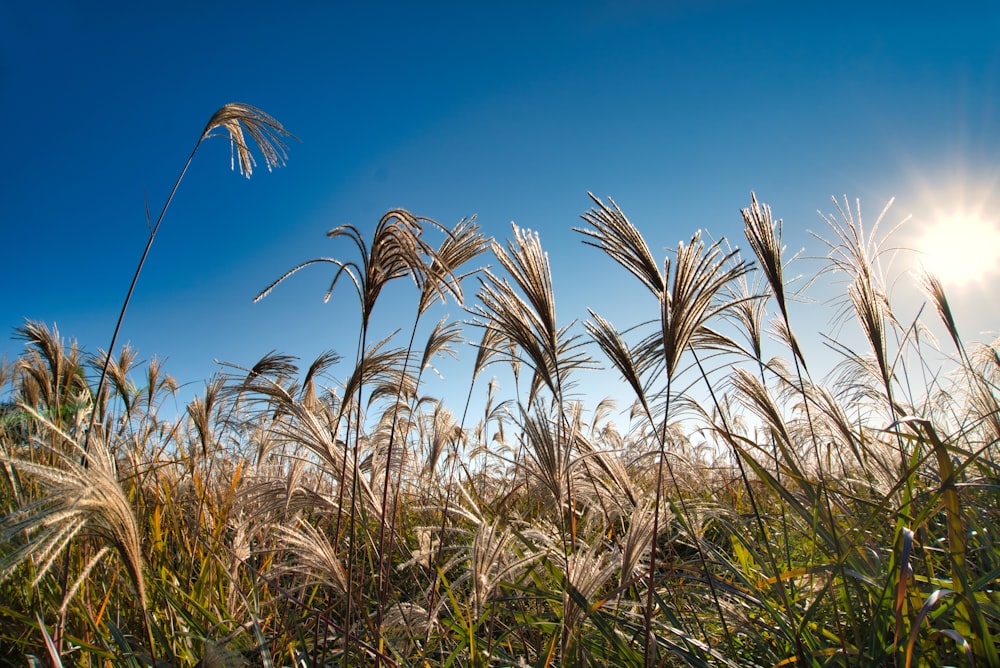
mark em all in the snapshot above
pixel 512 111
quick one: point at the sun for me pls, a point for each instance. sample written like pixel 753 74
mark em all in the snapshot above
pixel 961 249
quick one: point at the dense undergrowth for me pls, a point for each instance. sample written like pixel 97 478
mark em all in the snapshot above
pixel 748 513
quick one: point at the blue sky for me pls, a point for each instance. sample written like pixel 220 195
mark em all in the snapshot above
pixel 677 110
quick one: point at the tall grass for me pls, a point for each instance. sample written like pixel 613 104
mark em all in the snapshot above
pixel 744 512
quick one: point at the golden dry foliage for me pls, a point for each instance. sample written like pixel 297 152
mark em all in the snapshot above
pixel 743 512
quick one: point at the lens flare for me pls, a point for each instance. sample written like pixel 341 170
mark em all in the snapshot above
pixel 961 249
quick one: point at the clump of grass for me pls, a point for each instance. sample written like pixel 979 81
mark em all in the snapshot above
pixel 745 512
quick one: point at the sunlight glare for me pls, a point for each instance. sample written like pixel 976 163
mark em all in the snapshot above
pixel 961 249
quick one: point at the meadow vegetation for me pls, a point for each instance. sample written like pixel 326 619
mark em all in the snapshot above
pixel 749 512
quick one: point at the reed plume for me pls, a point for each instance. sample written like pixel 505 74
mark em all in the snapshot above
pixel 269 136
pixel 79 495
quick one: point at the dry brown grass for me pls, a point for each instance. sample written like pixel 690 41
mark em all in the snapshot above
pixel 745 512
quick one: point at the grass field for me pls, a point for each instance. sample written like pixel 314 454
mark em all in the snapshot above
pixel 749 513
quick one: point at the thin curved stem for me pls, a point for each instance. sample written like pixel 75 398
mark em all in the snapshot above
pixel 128 297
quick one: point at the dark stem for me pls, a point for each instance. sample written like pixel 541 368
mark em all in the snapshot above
pixel 128 296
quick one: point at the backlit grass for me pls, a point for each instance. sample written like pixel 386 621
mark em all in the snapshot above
pixel 334 513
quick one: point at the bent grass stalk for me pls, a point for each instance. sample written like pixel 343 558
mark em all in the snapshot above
pixel 267 133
